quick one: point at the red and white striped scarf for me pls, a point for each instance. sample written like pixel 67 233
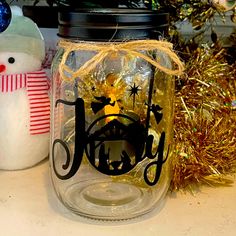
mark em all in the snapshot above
pixel 37 86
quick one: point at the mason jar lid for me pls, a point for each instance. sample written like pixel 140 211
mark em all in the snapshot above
pixel 103 24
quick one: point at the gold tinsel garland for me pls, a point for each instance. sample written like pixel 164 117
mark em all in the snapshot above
pixel 205 121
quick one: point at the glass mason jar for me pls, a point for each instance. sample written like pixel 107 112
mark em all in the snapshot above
pixel 112 113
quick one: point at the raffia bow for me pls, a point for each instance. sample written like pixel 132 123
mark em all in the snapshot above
pixel 132 48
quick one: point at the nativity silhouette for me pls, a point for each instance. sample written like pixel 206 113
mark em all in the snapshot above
pixel 102 145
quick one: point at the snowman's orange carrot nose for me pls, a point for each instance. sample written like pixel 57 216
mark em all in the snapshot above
pixel 2 68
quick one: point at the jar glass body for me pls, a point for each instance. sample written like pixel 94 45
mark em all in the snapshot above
pixel 111 136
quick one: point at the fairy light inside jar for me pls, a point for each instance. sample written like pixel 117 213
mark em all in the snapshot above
pixel 113 106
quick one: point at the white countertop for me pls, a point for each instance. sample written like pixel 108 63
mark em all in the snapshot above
pixel 29 207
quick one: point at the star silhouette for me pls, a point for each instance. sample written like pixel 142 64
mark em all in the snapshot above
pixel 134 91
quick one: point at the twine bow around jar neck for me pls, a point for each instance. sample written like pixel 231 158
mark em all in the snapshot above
pixel 133 48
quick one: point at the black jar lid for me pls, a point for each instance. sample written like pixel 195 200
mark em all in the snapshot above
pixel 104 24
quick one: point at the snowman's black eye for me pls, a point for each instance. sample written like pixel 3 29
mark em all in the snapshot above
pixel 11 60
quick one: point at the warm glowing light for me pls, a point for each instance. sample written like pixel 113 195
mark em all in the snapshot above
pixel 112 108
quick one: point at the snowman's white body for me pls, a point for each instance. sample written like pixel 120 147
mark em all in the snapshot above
pixel 18 148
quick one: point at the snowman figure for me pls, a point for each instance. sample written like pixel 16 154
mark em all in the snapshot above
pixel 24 100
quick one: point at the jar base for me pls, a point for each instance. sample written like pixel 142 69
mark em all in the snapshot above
pixel 103 200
